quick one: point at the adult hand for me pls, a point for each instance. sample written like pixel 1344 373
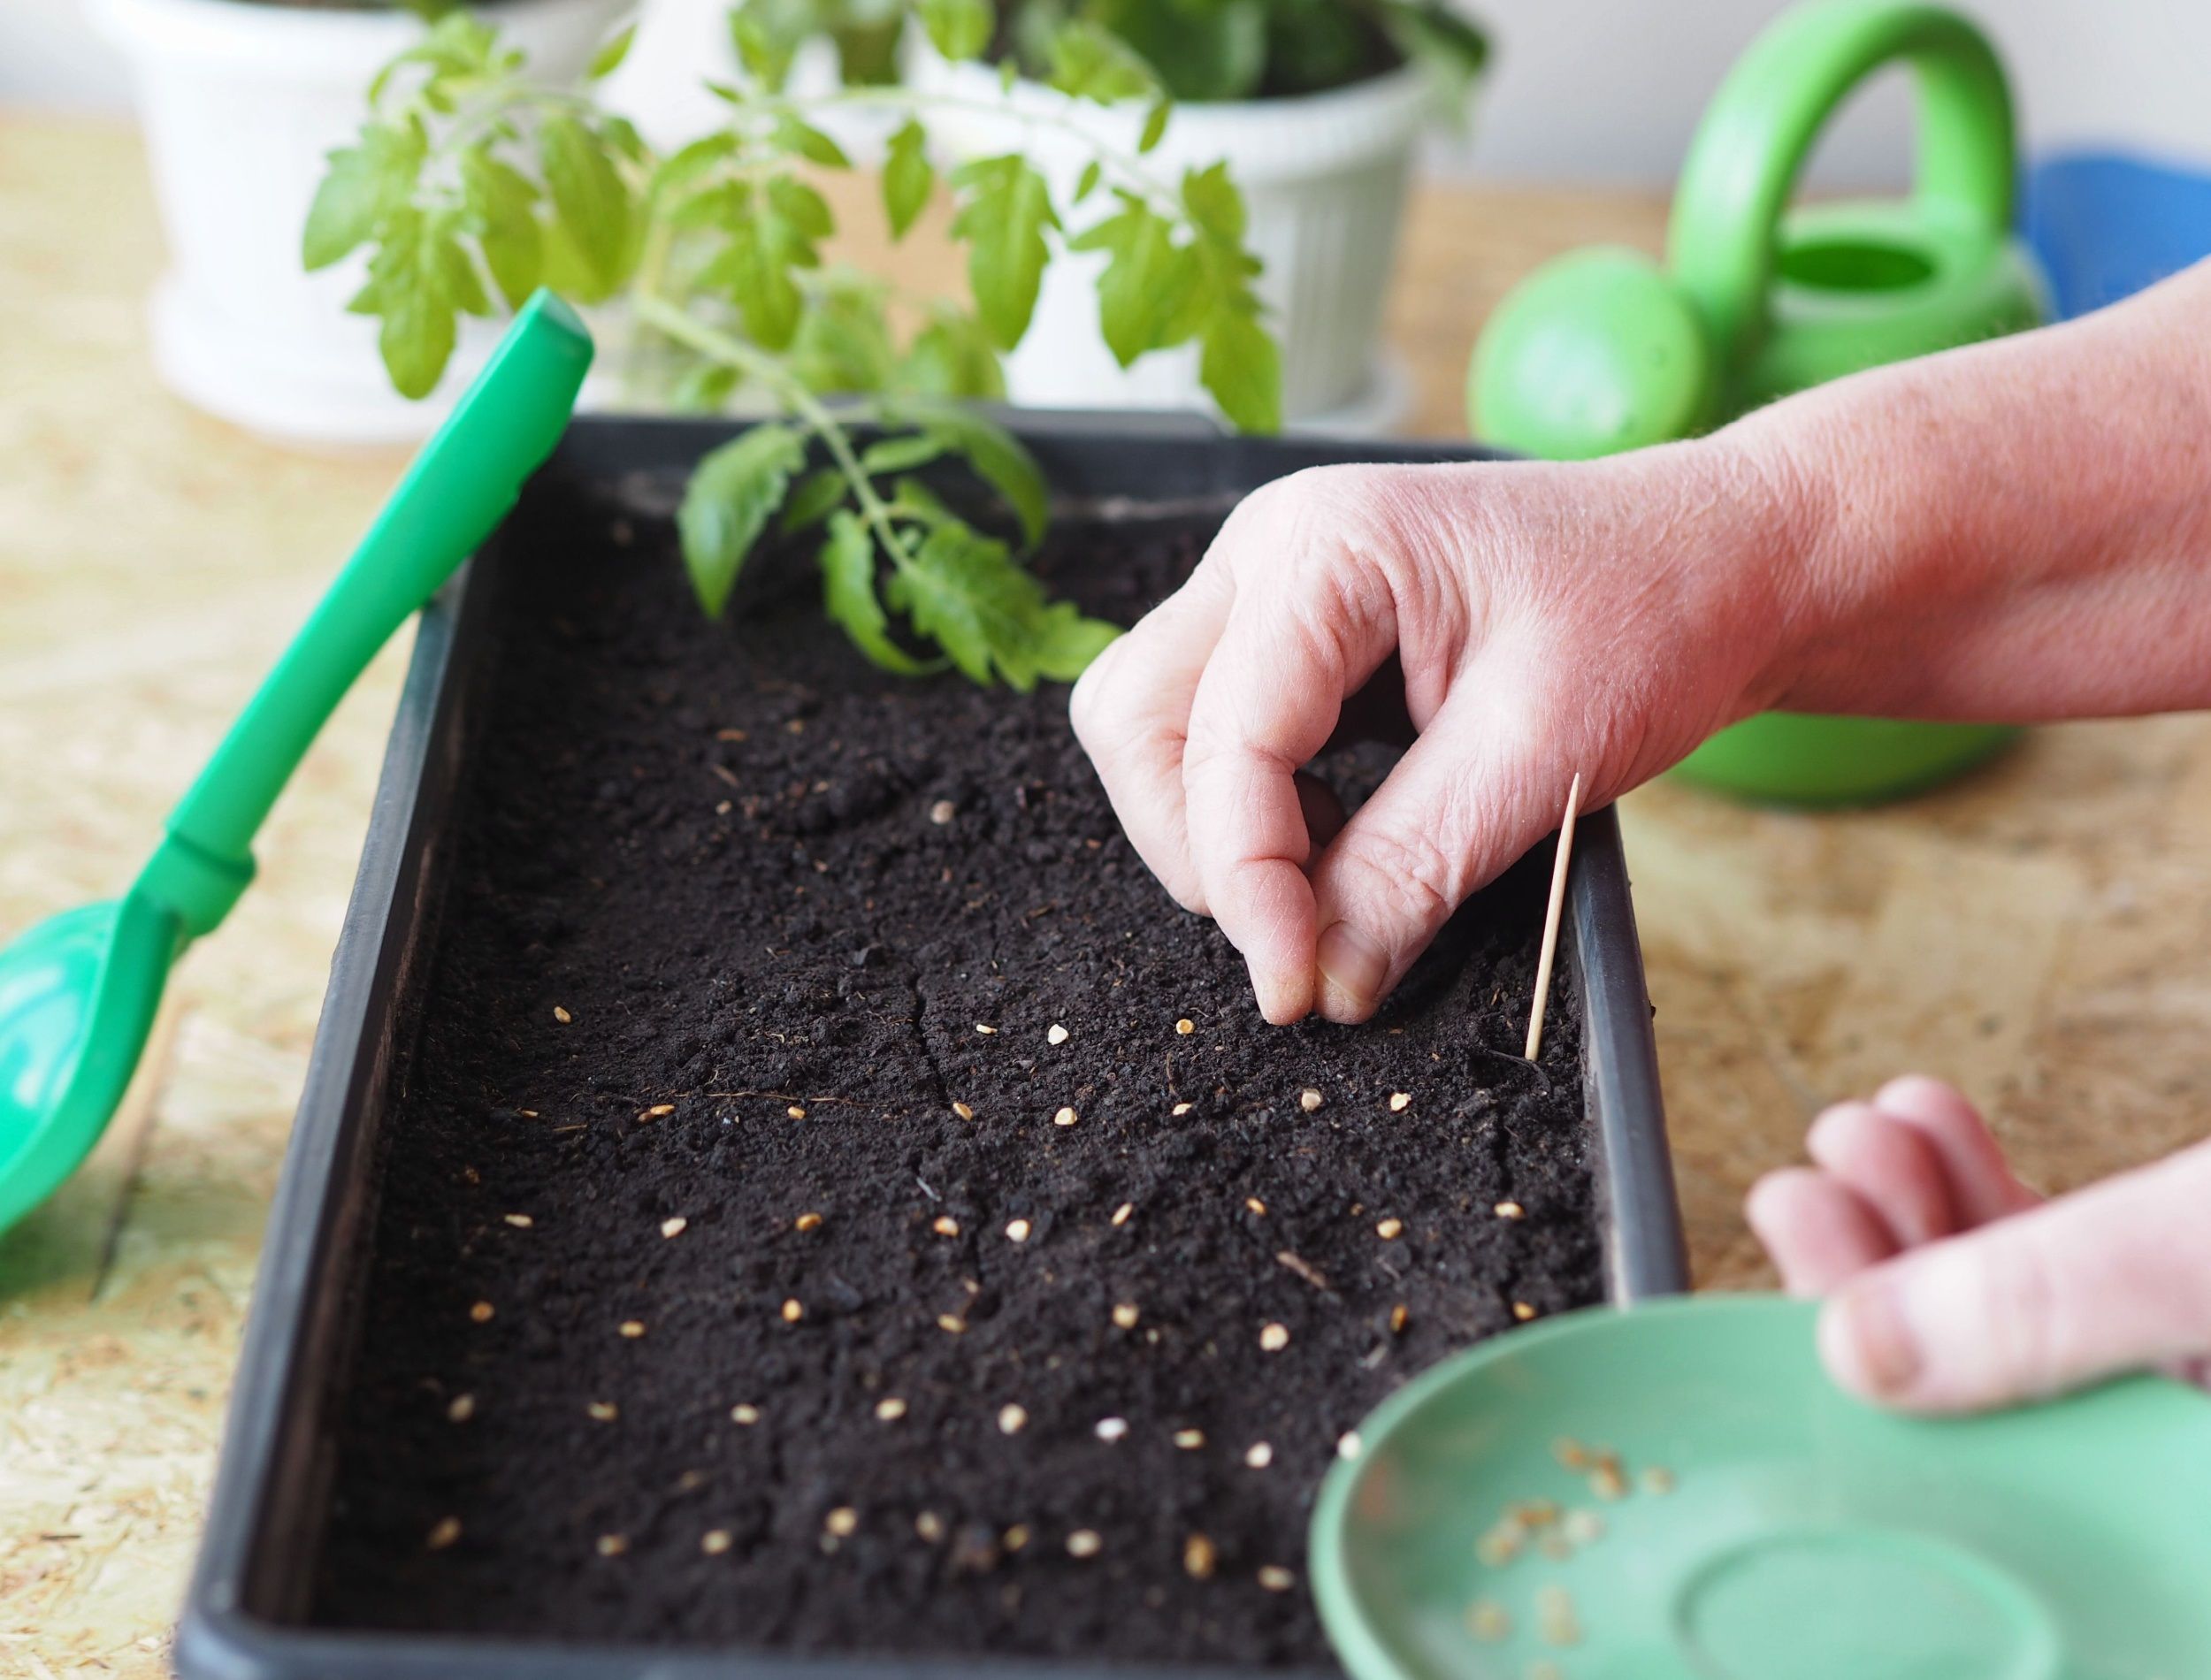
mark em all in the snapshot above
pixel 1599 617
pixel 1952 1285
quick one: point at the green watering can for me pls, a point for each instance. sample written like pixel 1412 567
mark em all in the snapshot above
pixel 1603 350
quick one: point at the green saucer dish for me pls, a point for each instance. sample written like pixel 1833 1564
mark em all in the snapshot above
pixel 1677 1492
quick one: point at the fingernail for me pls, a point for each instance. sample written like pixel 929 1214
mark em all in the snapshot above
pixel 1867 1339
pixel 1353 963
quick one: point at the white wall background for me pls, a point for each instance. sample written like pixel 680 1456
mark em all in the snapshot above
pixel 1597 91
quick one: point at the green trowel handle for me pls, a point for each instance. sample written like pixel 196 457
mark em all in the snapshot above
pixel 455 493
pixel 1758 131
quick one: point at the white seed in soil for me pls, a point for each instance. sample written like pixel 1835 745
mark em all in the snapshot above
pixel 793 1310
pixel 613 1544
pixel 631 1328
pixel 944 1226
pixel 928 1527
pixel 986 1031
pixel 1510 1210
pixel 1309 1099
pixel 1017 1230
pixel 1275 1578
pixel 715 1541
pixel 942 812
pixel 561 1015
pixel 843 1522
pixel 797 1111
pixel 746 1415
pixel 951 1323
pixel 1275 1337
pixel 1399 1316
pixel 520 1221
pixel 963 1110
pixel 674 1225
pixel 1084 1542
pixel 1198 1557
pixel 1259 1456
pixel 1186 1027
pixel 1181 1108
pixel 890 1409
pixel 446 1531
pixel 1065 1117
pixel 1125 1315
pixel 462 1408
pixel 808 1222
pixel 1400 1101
pixel 1347 1445
pixel 1190 1439
pixel 1390 1230
pixel 605 1411
pixel 1523 1311
pixel 1055 1034
pixel 1255 1206
pixel 481 1312
pixel 1015 1537
pixel 658 1112
pixel 1111 1429
pixel 1012 1419
pixel 1122 1213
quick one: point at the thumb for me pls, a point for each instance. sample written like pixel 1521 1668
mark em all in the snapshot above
pixel 1458 807
pixel 2112 1277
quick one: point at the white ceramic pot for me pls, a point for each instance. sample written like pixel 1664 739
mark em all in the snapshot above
pixel 239 102
pixel 1324 178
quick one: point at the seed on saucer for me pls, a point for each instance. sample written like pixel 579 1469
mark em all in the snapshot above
pixel 1555 1615
pixel 797 1111
pixel 746 1415
pixel 1390 1230
pixel 1186 1027
pixel 1275 1337
pixel 604 1411
pixel 1400 1101
pixel 928 1527
pixel 1125 1315
pixel 1012 1420
pixel 944 1226
pixel 1017 1230
pixel 1181 1108
pixel 1198 1557
pixel 1656 1479
pixel 942 812
pixel 1581 1527
pixel 793 1310
pixel 613 1544
pixel 1488 1620
pixel 1606 1481
pixel 1122 1213
pixel 1510 1210
pixel 890 1409
pixel 462 1408
pixel 1190 1439
pixel 1084 1542
pixel 715 1541
pixel 674 1226
pixel 843 1522
pixel 1544 1669
pixel 1065 1117
pixel 1256 1205
pixel 1055 1034
pixel 520 1221
pixel 1570 1453
pixel 1259 1456
pixel 561 1015
pixel 1499 1546
pixel 1523 1311
pixel 808 1222
pixel 1111 1429
pixel 446 1531
pixel 1275 1578
pixel 963 1110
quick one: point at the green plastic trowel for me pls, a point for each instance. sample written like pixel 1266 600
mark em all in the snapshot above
pixel 78 992
pixel 1677 1492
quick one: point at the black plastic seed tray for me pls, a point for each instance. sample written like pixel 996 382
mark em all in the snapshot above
pixel 245 1618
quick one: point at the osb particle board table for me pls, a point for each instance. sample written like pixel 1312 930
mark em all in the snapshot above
pixel 2042 934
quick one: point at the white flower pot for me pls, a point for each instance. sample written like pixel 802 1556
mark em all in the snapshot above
pixel 1324 178
pixel 239 103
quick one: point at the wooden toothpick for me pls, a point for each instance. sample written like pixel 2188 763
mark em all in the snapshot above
pixel 1550 917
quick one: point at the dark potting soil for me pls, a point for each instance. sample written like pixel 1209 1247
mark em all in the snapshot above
pixel 731 1279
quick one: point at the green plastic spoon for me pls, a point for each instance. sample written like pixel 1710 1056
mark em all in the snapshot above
pixel 1758 1523
pixel 78 992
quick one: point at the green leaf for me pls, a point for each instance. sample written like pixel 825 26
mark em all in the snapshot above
pixel 1239 364
pixel 1214 206
pixel 362 184
pixel 908 178
pixel 704 388
pixel 1066 642
pixel 842 344
pixel 682 171
pixel 1092 173
pixel 848 595
pixel 801 139
pixel 966 592
pixel 409 282
pixel 1203 50
pixel 770 235
pixel 1090 61
pixel 502 204
pixel 611 52
pixel 1450 50
pixel 997 455
pixel 1003 218
pixel 768 33
pixel 588 196
pixel 1154 127
pixel 727 503
pixel 1141 293
pixel 818 492
pixel 952 357
pixel 960 29
pixel 901 455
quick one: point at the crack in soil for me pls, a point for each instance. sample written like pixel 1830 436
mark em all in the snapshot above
pixel 922 1043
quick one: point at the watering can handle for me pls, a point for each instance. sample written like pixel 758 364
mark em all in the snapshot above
pixel 1780 94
